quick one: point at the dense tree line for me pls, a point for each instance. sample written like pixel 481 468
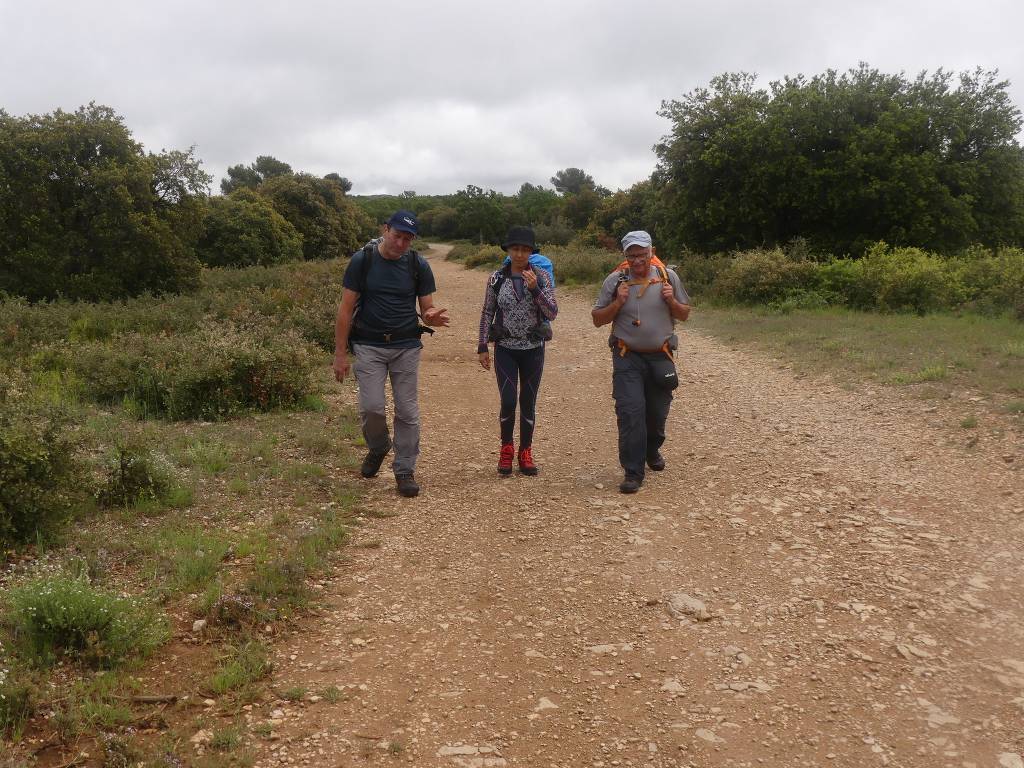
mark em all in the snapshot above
pixel 86 213
pixel 843 161
pixel 838 161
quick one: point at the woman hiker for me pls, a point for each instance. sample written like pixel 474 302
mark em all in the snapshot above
pixel 518 304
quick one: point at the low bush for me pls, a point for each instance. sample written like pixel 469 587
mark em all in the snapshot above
pixel 135 475
pixel 699 271
pixel 39 474
pixel 763 276
pixel 908 280
pixel 215 373
pixel 57 616
pixel 558 232
pixel 582 265
pixel 302 296
pixel 485 256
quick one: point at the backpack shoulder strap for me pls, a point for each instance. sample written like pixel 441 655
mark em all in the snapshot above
pixel 498 278
pixel 412 261
pixel 364 272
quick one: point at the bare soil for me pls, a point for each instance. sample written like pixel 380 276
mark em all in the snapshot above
pixel 860 564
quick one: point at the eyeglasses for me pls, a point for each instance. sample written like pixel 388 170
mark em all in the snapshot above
pixel 635 256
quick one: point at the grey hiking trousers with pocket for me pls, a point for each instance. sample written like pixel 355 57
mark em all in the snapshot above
pixel 373 366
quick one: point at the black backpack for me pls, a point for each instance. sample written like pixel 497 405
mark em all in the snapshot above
pixel 362 333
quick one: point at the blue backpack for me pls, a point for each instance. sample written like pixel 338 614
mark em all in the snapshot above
pixel 538 261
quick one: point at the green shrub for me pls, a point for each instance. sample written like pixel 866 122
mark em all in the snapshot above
pixel 992 282
pixel 134 476
pixel 763 276
pixel 55 616
pixel 558 232
pixel 699 271
pixel 244 230
pixel 908 279
pixel 799 299
pixel 485 256
pixel 39 474
pixel 217 372
pixel 297 295
pixel 582 266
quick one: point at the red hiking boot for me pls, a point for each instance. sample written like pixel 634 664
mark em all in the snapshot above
pixel 508 451
pixel 526 465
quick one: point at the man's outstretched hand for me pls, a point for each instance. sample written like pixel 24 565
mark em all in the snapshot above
pixel 436 317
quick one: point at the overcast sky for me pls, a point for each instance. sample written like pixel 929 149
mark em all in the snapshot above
pixel 432 96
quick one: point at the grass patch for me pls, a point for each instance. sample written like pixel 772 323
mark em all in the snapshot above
pixel 185 559
pixel 969 422
pixel 18 695
pixel 968 351
pixel 226 739
pixel 295 693
pixel 54 617
pixel 242 666
pixel 332 694
pixel 211 457
pixel 98 703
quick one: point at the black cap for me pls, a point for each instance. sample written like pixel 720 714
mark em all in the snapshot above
pixel 520 236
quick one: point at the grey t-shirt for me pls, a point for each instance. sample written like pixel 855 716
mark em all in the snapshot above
pixel 643 322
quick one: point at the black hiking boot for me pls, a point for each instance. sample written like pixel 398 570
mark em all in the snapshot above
pixel 372 462
pixel 630 484
pixel 407 485
pixel 656 461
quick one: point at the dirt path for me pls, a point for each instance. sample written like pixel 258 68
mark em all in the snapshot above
pixel 861 565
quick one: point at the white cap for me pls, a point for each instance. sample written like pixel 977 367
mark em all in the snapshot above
pixel 637 237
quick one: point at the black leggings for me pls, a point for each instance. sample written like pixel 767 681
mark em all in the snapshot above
pixel 512 368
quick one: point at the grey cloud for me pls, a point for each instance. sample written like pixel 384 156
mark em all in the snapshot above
pixel 434 96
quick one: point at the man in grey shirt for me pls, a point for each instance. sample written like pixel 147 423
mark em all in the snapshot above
pixel 642 302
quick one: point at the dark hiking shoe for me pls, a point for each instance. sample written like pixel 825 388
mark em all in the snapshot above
pixel 630 484
pixel 407 485
pixel 656 462
pixel 508 452
pixel 526 465
pixel 371 464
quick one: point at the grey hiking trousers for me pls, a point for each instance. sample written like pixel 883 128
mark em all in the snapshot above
pixel 372 368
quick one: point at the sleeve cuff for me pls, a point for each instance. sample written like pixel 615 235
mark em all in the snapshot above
pixel 481 349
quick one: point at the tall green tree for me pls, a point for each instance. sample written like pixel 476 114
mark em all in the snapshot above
pixel 244 230
pixel 537 204
pixel 329 223
pixel 345 184
pixel 572 180
pixel 86 213
pixel 844 160
pixel 252 175
pixel 481 215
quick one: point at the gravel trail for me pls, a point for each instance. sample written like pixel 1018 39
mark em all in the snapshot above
pixel 820 577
